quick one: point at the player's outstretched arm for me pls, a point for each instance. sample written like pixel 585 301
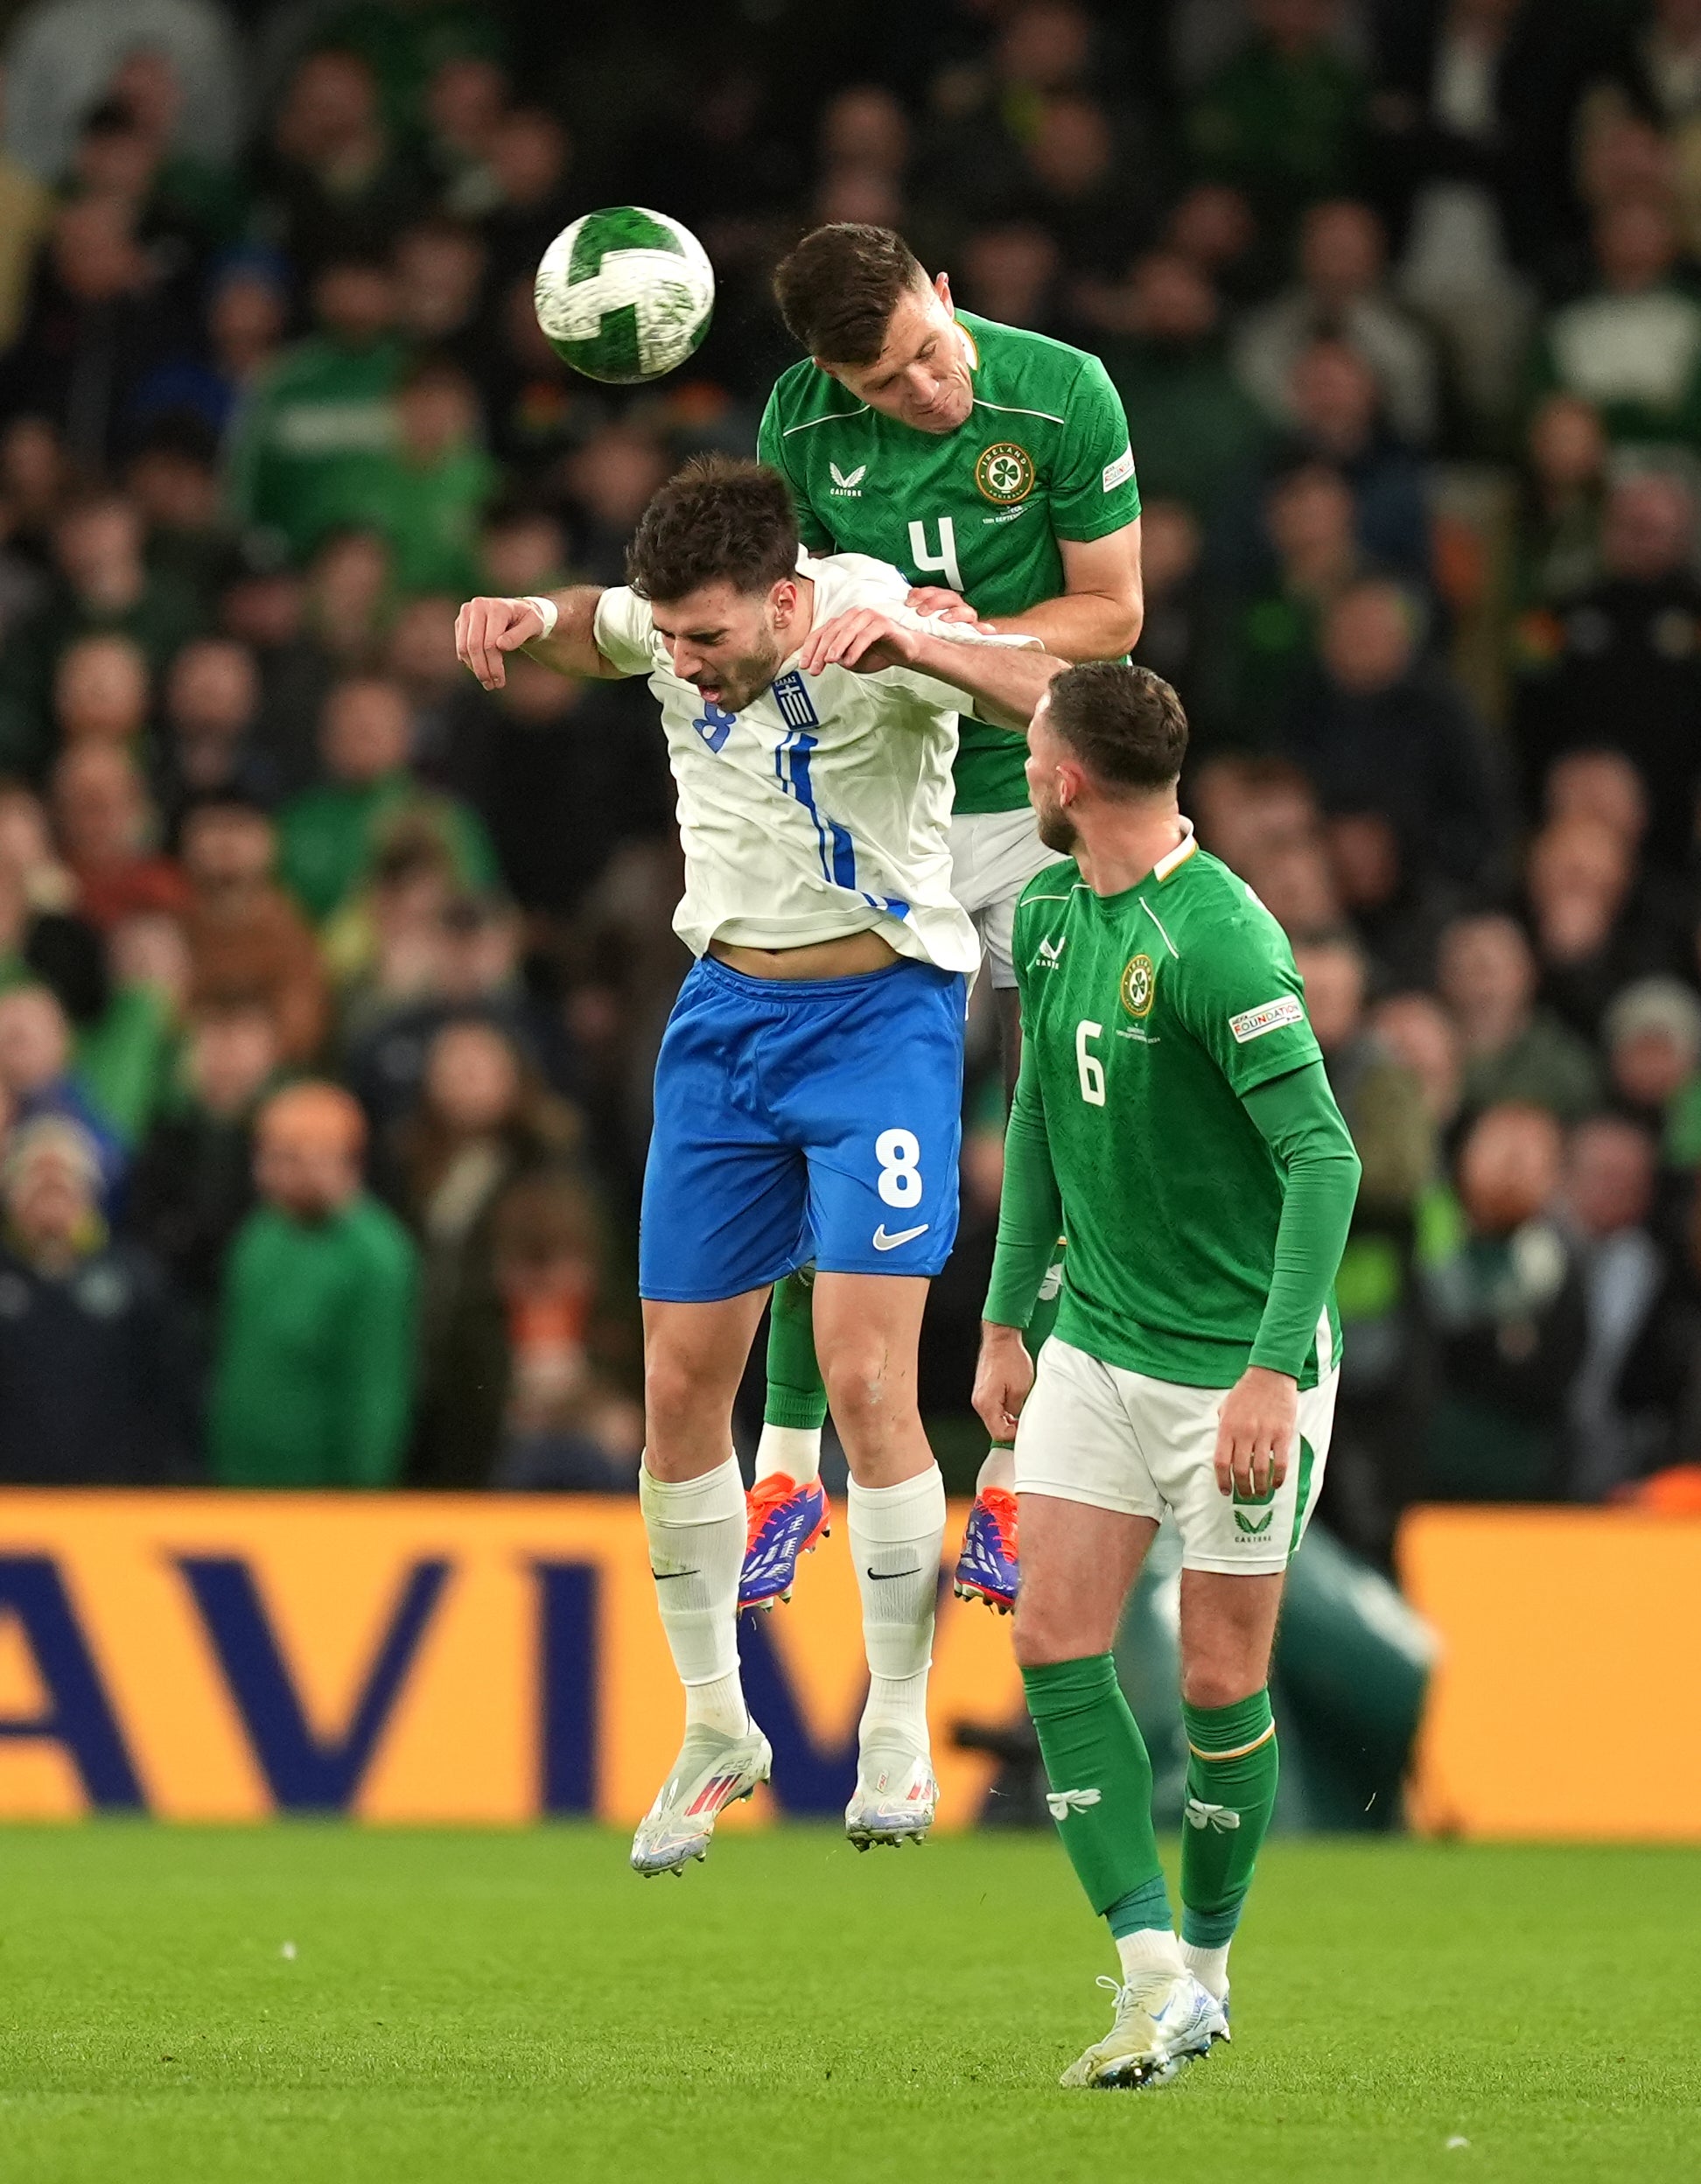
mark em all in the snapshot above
pixel 1099 613
pixel 487 630
pixel 1006 681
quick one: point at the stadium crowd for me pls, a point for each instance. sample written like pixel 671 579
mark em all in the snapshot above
pixel 330 985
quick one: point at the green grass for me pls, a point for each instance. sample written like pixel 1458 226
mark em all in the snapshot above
pixel 514 2007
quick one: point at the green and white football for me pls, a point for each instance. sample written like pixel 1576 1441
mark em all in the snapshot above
pixel 625 295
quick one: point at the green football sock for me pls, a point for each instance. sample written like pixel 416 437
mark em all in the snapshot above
pixel 1231 1794
pixel 796 1393
pixel 1101 1788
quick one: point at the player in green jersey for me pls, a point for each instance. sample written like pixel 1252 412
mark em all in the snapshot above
pixel 1174 1113
pixel 993 466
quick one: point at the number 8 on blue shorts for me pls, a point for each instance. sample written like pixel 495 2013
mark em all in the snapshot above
pixel 796 1120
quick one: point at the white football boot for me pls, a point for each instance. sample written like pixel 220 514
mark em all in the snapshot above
pixel 895 1795
pixel 713 1771
pixel 1164 2022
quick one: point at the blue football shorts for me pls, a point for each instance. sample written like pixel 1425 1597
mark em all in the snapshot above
pixel 796 1120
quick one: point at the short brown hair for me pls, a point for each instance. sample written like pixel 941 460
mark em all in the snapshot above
pixel 718 519
pixel 837 290
pixel 1124 724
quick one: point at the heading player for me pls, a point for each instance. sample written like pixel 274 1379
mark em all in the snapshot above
pixel 1173 1112
pixel 808 1088
pixel 993 465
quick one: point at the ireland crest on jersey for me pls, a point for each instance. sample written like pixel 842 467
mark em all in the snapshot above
pixel 1005 473
pixel 1139 986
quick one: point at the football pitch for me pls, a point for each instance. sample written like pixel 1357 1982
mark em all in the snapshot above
pixel 313 2004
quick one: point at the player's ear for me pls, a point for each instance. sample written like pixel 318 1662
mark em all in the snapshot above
pixel 942 288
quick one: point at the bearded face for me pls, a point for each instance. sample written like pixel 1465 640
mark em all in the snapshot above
pixel 1045 749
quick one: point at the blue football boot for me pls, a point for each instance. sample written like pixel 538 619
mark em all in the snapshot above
pixel 786 1521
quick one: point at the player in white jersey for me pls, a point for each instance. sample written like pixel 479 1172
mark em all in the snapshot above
pixel 808 1088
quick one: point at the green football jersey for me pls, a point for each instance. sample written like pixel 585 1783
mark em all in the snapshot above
pixel 1043 455
pixel 1147 1015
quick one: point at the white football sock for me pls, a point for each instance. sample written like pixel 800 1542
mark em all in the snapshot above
pixel 1208 1966
pixel 997 1469
pixel 1149 1950
pixel 897 1536
pixel 696 1530
pixel 795 1450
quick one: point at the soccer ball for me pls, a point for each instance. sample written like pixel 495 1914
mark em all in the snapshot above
pixel 625 295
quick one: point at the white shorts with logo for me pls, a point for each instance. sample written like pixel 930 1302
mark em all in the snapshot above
pixel 994 854
pixel 1118 1440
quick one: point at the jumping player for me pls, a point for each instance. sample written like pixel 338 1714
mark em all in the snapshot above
pixel 993 465
pixel 1173 1111
pixel 809 1087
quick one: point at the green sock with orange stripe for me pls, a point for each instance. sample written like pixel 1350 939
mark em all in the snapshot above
pixel 1232 1770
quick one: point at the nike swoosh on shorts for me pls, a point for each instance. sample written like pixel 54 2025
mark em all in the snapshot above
pixel 884 1242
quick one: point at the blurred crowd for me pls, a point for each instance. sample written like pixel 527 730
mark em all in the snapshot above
pixel 330 985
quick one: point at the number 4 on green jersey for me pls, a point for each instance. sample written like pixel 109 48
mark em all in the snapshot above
pixel 1044 456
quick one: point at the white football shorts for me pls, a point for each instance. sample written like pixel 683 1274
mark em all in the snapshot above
pixel 1122 1441
pixel 994 854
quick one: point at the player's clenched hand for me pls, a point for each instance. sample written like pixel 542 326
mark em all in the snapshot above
pixel 950 607
pixel 1255 1427
pixel 484 629
pixel 864 640
pixel 1002 1378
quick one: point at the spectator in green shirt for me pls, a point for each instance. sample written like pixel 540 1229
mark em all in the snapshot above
pixel 1632 345
pixel 427 493
pixel 1514 1050
pixel 1197 433
pixel 330 836
pixel 1270 643
pixel 1283 118
pixel 403 46
pixel 313 1379
pixel 327 404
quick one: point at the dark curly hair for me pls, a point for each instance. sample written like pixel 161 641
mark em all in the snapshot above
pixel 837 290
pixel 1125 723
pixel 718 519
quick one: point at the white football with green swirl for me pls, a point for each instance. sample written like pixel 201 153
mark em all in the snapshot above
pixel 625 295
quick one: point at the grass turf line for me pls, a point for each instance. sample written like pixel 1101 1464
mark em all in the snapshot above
pixel 512 2007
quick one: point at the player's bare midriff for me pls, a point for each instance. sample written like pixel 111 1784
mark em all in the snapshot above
pixel 849 958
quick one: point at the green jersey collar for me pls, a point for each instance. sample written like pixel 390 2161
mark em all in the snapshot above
pixel 1178 857
pixel 1114 907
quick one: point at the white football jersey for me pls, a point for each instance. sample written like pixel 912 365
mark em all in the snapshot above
pixel 822 810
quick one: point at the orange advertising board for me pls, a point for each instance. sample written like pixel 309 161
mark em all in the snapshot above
pixel 410 1658
pixel 1565 1634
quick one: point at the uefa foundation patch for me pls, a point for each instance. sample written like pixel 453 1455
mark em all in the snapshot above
pixel 1254 1023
